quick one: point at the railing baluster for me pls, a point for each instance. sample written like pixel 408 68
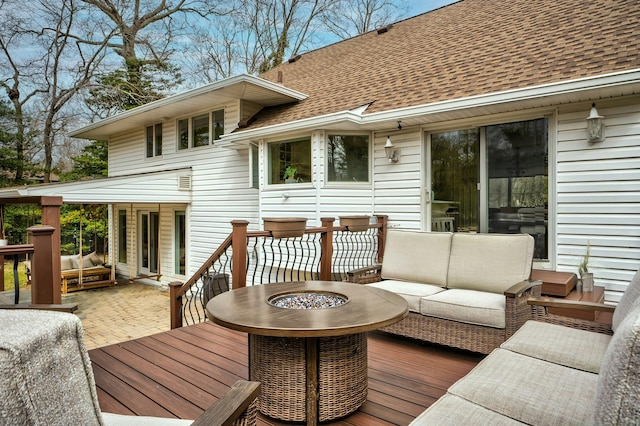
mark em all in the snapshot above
pixel 266 259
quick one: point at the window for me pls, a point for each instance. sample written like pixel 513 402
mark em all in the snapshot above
pixel 122 236
pixel 295 155
pixel 180 242
pixel 255 167
pixel 154 140
pixel 200 126
pixel 218 123
pixel 200 130
pixel 348 158
pixel 183 134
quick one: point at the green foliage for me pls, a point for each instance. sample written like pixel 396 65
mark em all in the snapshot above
pixel 94 230
pixel 290 172
pixel 91 163
pixel 583 268
pixel 17 218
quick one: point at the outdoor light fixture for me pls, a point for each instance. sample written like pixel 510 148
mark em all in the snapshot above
pixel 390 150
pixel 595 126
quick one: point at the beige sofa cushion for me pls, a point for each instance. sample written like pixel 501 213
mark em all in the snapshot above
pixel 571 347
pixel 618 392
pixel 466 306
pixel 453 410
pixel 85 262
pixel 631 294
pixel 421 257
pixel 68 262
pixel 412 292
pixel 489 262
pixel 530 390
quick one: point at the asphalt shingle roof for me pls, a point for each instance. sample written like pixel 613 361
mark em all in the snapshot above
pixel 469 48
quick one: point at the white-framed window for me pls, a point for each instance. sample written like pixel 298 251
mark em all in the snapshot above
pixel 200 130
pixel 348 158
pixel 154 140
pixel 292 156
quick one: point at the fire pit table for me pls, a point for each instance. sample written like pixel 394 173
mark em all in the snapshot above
pixel 308 343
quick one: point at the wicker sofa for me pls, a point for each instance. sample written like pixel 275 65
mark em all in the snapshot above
pixel 550 374
pixel 94 272
pixel 464 290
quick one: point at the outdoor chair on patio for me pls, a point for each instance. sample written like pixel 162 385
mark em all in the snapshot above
pixel 46 378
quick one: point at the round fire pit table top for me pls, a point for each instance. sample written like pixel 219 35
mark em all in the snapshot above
pixel 248 309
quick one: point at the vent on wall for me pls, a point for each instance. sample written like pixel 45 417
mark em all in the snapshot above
pixel 184 183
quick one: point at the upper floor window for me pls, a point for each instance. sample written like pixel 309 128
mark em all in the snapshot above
pixel 200 130
pixel 290 161
pixel 348 158
pixel 154 140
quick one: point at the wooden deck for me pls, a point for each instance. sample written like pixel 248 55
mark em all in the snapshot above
pixel 181 372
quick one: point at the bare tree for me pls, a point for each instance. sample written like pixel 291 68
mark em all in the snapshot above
pixel 349 18
pixel 44 68
pixel 146 35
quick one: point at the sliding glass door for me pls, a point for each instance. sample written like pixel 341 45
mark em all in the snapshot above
pixel 492 179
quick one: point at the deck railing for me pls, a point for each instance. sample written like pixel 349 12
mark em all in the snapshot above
pixel 255 257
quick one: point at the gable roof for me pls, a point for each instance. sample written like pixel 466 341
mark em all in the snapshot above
pixel 469 48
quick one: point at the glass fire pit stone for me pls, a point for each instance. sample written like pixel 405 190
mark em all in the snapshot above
pixel 308 300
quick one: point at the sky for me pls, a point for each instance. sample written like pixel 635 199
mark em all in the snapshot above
pixel 416 7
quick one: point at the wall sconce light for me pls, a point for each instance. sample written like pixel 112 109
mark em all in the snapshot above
pixel 595 125
pixel 391 151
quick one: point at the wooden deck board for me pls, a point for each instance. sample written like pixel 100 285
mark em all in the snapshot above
pixel 181 372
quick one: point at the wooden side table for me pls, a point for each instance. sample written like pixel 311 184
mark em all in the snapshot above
pixel 597 296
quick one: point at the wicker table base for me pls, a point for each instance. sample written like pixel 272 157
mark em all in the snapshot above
pixel 326 375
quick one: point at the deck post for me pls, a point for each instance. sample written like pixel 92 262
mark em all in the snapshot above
pixel 51 216
pixel 239 247
pixel 326 242
pixel 45 280
pixel 383 220
pixel 175 303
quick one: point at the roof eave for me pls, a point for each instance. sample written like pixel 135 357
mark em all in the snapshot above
pixel 631 77
pixel 92 131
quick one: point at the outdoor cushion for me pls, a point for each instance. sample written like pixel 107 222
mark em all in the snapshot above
pixel 618 391
pixel 45 372
pixel 631 294
pixel 95 259
pixel 566 346
pixel 66 262
pixel 85 262
pixel 417 256
pixel 489 262
pixel 412 292
pixel 466 306
pixel 453 410
pixel 530 390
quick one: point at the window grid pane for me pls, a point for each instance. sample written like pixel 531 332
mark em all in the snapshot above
pixel 348 158
pixel 200 130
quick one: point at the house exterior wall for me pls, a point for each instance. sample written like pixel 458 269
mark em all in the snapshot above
pixel 598 193
pixel 220 189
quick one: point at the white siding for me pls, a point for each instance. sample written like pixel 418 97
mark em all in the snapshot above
pixel 598 194
pixel 397 190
